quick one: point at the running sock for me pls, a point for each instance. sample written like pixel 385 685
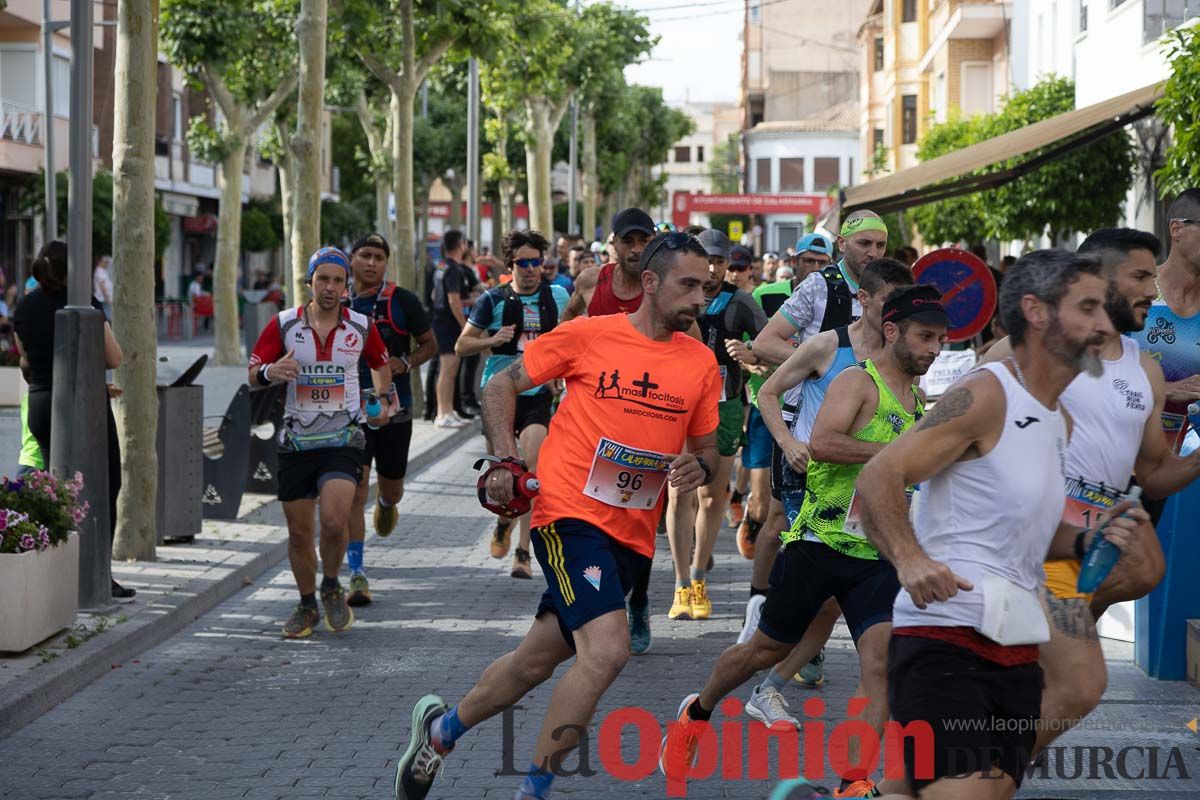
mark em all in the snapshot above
pixel 354 557
pixel 384 503
pixel 684 584
pixel 309 600
pixel 447 729
pixel 641 584
pixel 697 574
pixel 757 592
pixel 536 783
pixel 773 681
pixel 697 712
pixel 328 584
pixel 736 497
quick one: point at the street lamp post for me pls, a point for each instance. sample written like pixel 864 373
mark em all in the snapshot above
pixel 79 422
pixel 49 26
pixel 473 209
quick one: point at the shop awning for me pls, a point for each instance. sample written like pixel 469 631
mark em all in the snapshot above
pixel 953 174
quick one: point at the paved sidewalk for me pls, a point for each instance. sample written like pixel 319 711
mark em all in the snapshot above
pixel 186 581
pixel 226 709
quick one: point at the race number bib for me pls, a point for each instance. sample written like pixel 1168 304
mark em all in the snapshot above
pixel 320 388
pixel 625 477
pixel 724 383
pixel 531 325
pixel 854 514
pixel 1088 503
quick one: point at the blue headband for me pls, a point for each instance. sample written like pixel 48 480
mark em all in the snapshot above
pixel 328 255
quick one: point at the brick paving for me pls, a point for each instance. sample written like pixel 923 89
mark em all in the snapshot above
pixel 226 709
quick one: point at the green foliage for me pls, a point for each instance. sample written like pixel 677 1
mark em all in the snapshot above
pixel 658 126
pixel 1179 109
pixel 33 201
pixel 257 234
pixel 959 219
pixel 440 140
pixel 1081 191
pixel 342 223
pixel 723 166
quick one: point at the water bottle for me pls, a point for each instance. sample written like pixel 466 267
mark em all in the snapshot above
pixel 1191 441
pixel 373 408
pixel 1102 555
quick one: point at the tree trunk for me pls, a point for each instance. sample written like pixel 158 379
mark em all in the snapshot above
pixel 298 289
pixel 591 179
pixel 133 273
pixel 456 188
pixel 508 192
pixel 404 244
pixel 306 141
pixel 227 350
pixel 379 146
pixel 539 143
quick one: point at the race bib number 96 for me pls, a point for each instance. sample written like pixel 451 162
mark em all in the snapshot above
pixel 626 477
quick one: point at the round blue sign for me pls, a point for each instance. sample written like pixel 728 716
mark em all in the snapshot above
pixel 967 286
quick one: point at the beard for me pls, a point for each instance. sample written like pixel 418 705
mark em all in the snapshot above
pixel 1074 353
pixel 678 320
pixel 910 363
pixel 1121 311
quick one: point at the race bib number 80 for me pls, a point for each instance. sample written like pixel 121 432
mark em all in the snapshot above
pixel 321 391
pixel 626 477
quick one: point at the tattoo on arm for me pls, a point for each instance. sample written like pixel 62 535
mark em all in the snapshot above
pixel 1072 617
pixel 956 403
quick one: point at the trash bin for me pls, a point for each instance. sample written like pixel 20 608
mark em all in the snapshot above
pixel 179 511
pixel 254 318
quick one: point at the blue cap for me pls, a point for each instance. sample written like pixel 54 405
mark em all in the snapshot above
pixel 328 255
pixel 816 243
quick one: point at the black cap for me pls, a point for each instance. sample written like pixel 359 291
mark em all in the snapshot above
pixel 918 302
pixel 740 255
pixel 632 219
pixel 372 240
pixel 715 243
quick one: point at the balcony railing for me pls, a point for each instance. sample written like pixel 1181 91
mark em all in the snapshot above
pixel 20 123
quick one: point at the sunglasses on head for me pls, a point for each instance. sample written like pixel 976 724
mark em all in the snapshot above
pixel 671 241
pixel 528 263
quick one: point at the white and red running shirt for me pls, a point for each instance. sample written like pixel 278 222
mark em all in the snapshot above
pixel 325 395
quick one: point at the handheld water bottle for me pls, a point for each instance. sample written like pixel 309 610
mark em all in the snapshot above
pixel 1191 441
pixel 1101 555
pixel 373 408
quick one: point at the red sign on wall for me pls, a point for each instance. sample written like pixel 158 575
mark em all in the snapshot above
pixel 687 203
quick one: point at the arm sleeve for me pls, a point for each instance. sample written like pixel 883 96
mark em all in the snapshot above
pixel 483 312
pixel 269 347
pixel 374 350
pixel 707 416
pixel 799 307
pixel 413 313
pixel 554 354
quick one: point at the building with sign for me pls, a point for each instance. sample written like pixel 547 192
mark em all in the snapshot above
pixel 687 164
pixel 800 118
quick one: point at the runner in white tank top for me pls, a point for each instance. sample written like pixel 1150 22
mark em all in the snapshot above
pixel 991 455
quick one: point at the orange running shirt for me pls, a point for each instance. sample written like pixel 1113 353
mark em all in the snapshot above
pixel 630 401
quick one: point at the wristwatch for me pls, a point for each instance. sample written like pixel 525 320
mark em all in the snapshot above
pixel 407 364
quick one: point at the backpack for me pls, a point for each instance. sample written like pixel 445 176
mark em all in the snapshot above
pixel 513 313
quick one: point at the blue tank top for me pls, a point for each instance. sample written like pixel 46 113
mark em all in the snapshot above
pixel 812 392
pixel 1172 341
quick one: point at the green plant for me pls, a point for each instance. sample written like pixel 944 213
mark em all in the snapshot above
pixel 1177 109
pixel 257 233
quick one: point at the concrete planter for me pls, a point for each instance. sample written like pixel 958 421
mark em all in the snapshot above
pixel 12 386
pixel 39 594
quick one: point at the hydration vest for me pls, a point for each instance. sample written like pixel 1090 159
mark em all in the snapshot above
pixel 513 313
pixel 838 299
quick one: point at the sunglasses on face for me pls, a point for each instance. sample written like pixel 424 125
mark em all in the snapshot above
pixel 528 263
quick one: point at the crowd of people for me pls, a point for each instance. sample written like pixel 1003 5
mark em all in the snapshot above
pixel 680 383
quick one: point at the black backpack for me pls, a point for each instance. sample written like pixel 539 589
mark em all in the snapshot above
pixel 513 313
pixel 838 308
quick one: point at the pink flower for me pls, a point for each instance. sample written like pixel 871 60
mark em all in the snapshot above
pixel 26 542
pixel 43 537
pixel 4 512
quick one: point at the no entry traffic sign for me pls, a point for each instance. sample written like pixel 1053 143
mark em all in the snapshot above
pixel 967 286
